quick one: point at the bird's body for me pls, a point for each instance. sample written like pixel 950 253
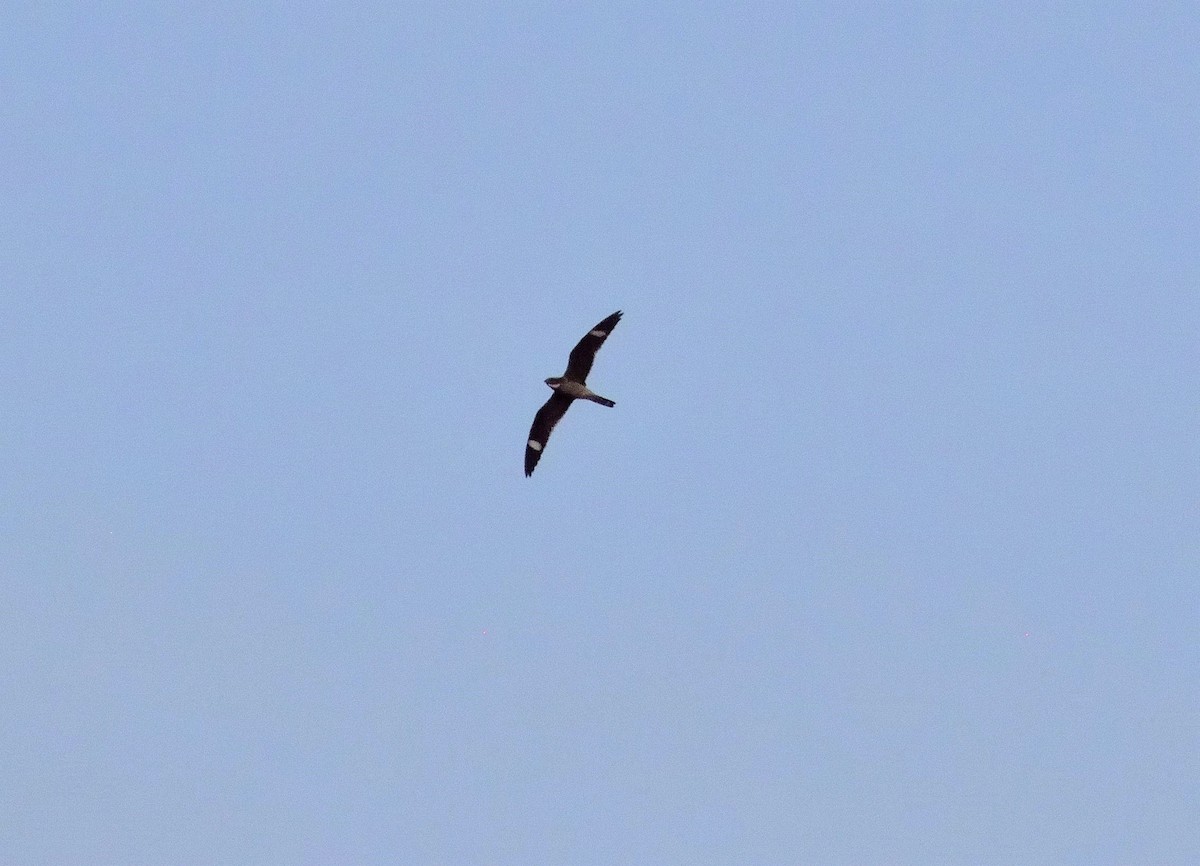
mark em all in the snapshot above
pixel 577 391
pixel 568 388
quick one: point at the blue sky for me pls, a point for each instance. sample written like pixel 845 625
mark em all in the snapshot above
pixel 888 553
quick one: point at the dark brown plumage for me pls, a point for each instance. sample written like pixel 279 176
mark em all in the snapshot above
pixel 568 388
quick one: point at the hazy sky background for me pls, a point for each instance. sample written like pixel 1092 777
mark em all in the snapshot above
pixel 888 553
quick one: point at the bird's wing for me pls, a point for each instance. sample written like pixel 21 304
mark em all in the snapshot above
pixel 580 362
pixel 543 423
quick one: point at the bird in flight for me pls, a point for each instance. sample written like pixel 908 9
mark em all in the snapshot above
pixel 567 388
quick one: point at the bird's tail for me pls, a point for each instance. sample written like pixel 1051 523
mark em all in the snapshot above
pixel 603 401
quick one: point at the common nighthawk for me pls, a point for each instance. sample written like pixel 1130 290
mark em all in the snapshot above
pixel 567 388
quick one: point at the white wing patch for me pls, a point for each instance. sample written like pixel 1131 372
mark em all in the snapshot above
pixel 597 333
pixel 535 445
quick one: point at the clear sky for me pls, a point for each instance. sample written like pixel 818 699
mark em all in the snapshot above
pixel 888 553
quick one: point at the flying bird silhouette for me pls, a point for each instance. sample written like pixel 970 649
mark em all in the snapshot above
pixel 567 388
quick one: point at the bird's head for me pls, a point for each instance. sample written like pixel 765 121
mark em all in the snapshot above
pixel 554 382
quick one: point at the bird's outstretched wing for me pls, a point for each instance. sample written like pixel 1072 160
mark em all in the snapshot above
pixel 580 362
pixel 543 423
